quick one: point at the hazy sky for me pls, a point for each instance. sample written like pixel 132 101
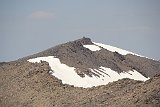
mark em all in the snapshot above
pixel 29 26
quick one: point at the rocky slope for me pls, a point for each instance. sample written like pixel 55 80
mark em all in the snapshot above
pixel 30 85
pixel 75 55
pixel 25 84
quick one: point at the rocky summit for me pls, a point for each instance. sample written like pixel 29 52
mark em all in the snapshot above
pixel 81 73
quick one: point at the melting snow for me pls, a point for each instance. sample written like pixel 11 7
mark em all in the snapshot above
pixel 92 47
pixel 69 76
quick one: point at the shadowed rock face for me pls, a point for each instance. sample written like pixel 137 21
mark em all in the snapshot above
pixel 75 55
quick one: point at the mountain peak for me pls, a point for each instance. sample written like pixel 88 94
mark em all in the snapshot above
pixel 84 63
pixel 84 41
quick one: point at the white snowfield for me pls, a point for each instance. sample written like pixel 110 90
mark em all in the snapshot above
pixel 113 49
pixel 92 47
pixel 69 76
pixel 97 46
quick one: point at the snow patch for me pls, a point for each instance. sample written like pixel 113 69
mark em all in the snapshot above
pixel 115 49
pixel 69 76
pixel 92 47
pixel 61 71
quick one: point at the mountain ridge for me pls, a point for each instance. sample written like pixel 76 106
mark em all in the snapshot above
pixel 75 55
pixel 26 84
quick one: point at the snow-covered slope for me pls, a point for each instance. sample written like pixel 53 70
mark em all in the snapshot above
pixel 69 76
pixel 113 49
pixel 92 47
pixel 84 63
pixel 97 46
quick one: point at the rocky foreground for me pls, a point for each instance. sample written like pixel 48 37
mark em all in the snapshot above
pixel 24 84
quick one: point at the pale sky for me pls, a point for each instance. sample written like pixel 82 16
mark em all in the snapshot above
pixel 30 26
